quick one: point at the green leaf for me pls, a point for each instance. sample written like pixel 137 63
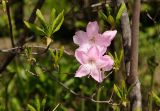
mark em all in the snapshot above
pixel 61 51
pixel 57 23
pixel 117 91
pixel 34 28
pixel 111 21
pixel 4 5
pixel 41 18
pixel 156 98
pixel 38 105
pixel 102 15
pixel 31 108
pixel 120 12
pixel 39 71
pixel 108 9
pixel 43 103
pixel 52 16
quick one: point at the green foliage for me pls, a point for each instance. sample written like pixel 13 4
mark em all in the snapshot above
pixel 56 24
pixel 110 18
pixel 35 28
pixel 156 98
pixel 117 91
pixel 120 12
pixel 122 92
pixel 47 29
pixel 117 60
pixel 31 108
pixel 56 56
pixel 4 5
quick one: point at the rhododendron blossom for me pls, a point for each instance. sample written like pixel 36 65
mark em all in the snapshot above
pixel 90 54
pixel 92 63
pixel 92 37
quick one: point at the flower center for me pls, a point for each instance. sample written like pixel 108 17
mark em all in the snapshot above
pixel 93 40
pixel 91 61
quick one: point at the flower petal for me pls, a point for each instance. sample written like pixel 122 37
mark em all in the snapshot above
pixel 82 71
pixel 80 37
pixel 107 37
pixel 109 62
pixel 93 52
pixel 92 29
pixel 102 49
pixel 96 74
pixel 81 56
pixel 85 47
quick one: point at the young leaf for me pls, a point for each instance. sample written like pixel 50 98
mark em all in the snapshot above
pixel 31 108
pixel 108 9
pixel 4 5
pixel 34 28
pixel 61 51
pixel 38 105
pixel 156 98
pixel 120 12
pixel 57 22
pixel 52 16
pixel 111 21
pixel 117 91
pixel 41 19
pixel 43 103
pixel 102 15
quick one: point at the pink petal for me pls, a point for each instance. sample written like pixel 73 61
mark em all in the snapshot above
pixel 96 74
pixel 85 47
pixel 109 62
pixel 108 37
pixel 102 49
pixel 82 71
pixel 93 52
pixel 81 56
pixel 92 29
pixel 80 37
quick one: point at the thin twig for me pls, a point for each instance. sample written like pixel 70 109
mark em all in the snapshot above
pixel 70 90
pixel 10 23
pixel 19 50
pixel 8 58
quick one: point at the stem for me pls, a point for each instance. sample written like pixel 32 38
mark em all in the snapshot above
pixel 135 94
pixel 10 24
pixel 8 58
pixel 98 98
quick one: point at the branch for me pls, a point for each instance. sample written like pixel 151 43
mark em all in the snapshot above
pixel 135 94
pixel 44 49
pixel 70 90
pixel 8 58
pixel 10 24
pixel 126 36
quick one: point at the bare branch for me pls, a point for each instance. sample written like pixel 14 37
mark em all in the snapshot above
pixel 135 94
pixel 10 24
pixel 8 58
pixel 44 49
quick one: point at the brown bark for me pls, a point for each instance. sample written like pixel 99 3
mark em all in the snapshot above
pixel 135 94
pixel 131 53
pixel 126 36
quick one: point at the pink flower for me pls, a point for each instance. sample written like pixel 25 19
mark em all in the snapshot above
pixel 92 37
pixel 93 63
